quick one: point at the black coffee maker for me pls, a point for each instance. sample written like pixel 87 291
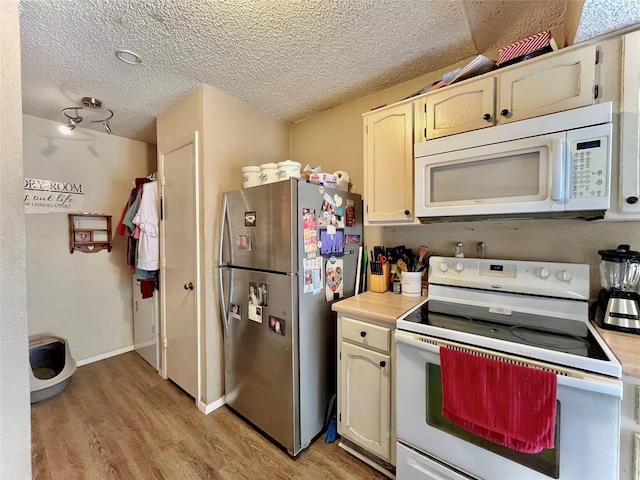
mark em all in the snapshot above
pixel 618 305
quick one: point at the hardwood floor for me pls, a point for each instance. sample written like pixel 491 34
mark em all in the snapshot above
pixel 118 419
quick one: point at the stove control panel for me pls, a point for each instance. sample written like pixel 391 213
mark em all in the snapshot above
pixel 561 280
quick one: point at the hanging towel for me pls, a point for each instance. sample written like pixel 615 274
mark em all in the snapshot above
pixel 508 404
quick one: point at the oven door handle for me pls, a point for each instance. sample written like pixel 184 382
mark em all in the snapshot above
pixel 566 376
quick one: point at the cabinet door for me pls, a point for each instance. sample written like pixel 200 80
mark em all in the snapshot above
pixel 388 165
pixel 420 119
pixel 547 85
pixel 365 401
pixel 460 108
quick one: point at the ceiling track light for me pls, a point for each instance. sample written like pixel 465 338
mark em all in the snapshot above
pixel 99 114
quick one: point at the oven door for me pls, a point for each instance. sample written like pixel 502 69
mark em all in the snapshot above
pixel 587 427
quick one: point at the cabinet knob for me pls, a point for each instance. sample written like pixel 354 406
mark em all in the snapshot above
pixel 383 363
pixel 407 212
pixel 188 286
pixel 363 334
pixel 504 112
pixel 632 200
pixel 487 116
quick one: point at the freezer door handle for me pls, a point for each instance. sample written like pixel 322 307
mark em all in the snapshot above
pixel 223 301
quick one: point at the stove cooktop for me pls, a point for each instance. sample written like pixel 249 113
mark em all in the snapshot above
pixel 561 341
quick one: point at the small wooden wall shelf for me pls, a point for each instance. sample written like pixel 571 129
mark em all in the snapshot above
pixel 89 232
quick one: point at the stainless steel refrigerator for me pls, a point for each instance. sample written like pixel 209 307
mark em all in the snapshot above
pixel 288 250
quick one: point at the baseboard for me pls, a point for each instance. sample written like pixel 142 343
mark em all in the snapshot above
pixel 207 408
pixel 102 356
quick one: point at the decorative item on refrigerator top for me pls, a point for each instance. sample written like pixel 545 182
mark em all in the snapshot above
pixel 268 173
pixel 251 176
pixel 288 169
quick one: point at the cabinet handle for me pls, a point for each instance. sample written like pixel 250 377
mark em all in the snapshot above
pixel 487 116
pixel 363 334
pixel 632 200
pixel 407 212
pixel 188 286
pixel 383 363
pixel 504 112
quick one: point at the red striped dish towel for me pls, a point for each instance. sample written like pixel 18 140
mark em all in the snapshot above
pixel 508 404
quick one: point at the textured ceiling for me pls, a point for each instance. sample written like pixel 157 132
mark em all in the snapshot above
pixel 288 58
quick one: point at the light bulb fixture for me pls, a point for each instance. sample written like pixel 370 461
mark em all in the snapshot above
pixel 127 56
pixel 95 113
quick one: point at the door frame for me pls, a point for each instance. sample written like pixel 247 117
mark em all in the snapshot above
pixel 194 141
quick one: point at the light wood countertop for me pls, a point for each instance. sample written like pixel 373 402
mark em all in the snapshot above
pixel 625 346
pixel 382 308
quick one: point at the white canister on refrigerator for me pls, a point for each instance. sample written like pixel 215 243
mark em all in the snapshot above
pixel 251 176
pixel 268 173
pixel 288 169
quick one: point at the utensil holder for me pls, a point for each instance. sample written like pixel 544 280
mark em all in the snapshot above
pixel 380 283
pixel 411 283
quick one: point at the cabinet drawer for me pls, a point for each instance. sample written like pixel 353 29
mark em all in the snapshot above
pixel 366 334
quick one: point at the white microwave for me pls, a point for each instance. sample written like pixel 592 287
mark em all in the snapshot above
pixel 558 165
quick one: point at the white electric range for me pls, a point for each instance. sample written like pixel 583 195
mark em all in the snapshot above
pixel 533 314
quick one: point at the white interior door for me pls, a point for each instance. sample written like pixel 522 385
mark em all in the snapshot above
pixel 179 273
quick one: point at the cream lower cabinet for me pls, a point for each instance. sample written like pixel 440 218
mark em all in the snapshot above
pixel 365 392
pixel 630 429
pixel 388 165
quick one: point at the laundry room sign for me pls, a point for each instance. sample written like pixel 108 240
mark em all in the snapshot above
pixel 50 196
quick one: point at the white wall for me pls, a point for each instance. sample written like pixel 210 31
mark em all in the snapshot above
pixel 15 419
pixel 84 297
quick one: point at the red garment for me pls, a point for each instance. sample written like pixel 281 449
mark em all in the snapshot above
pixel 508 404
pixel 147 287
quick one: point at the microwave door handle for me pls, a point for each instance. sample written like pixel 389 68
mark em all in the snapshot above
pixel 558 152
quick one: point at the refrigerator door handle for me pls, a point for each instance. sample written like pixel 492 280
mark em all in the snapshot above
pixel 223 300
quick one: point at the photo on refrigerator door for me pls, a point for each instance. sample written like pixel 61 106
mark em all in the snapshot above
pixel 243 242
pixel 235 311
pixel 277 325
pixel 258 294
pixel 331 243
pixel 255 313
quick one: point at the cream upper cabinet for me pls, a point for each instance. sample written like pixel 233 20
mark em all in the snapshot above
pixel 561 81
pixel 460 108
pixel 551 83
pixel 388 165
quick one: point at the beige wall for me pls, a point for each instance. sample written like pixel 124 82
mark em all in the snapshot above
pixel 232 135
pixel 235 135
pixel 83 297
pixel 334 139
pixel 15 420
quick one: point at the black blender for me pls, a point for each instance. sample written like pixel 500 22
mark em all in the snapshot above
pixel 619 302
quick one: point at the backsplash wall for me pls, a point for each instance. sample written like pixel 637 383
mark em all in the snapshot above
pixel 554 240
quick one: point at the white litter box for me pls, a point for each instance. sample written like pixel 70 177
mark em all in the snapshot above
pixel 51 366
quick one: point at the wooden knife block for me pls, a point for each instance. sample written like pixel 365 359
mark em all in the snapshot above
pixel 381 283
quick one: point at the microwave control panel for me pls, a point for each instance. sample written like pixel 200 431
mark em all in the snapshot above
pixel 589 167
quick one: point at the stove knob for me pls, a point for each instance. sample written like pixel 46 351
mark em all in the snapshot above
pixel 543 272
pixel 458 267
pixel 564 275
pixel 443 267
